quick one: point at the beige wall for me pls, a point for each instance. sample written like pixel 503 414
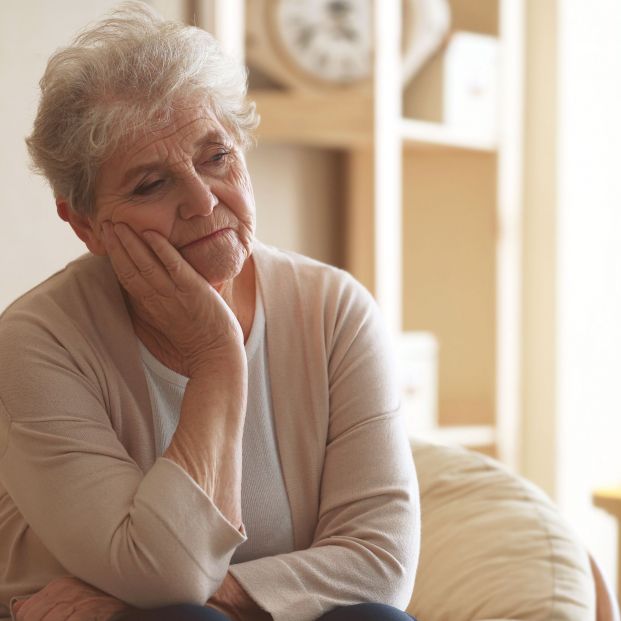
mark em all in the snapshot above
pixel 33 241
pixel 299 198
pixel 449 245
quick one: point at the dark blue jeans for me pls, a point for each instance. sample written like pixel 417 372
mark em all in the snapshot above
pixel 188 612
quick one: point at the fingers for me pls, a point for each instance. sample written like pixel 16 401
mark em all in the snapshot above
pixel 165 290
pixel 138 269
pixel 122 263
pixel 68 599
pixel 178 269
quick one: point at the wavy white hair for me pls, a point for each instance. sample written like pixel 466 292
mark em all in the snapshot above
pixel 124 75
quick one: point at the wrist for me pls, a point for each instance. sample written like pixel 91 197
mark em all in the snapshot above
pixel 228 359
pixel 232 597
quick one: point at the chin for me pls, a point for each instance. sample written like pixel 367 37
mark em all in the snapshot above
pixel 221 269
pixel 221 260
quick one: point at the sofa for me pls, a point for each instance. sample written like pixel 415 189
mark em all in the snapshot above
pixel 495 548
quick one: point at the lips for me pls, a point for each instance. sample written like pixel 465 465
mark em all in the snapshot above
pixel 205 238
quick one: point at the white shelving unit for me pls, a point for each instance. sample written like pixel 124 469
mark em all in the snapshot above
pixel 388 162
pixel 508 148
pixel 509 244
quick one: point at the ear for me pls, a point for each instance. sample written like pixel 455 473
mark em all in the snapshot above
pixel 82 226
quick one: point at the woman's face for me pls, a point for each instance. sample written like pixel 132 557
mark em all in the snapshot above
pixel 190 183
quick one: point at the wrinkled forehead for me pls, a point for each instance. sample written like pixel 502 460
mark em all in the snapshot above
pixel 185 134
pixel 187 128
pixel 187 131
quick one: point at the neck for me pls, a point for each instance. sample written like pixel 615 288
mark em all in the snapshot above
pixel 239 294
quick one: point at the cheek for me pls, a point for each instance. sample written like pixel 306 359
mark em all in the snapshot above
pixel 146 217
pixel 241 179
pixel 240 196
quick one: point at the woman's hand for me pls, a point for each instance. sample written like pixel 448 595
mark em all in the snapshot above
pixel 170 300
pixel 169 295
pixel 68 599
pixel 232 600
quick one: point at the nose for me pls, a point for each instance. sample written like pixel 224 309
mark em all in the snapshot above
pixel 198 199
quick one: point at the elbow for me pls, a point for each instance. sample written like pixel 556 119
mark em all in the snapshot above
pixel 409 558
pixel 149 569
pixel 403 586
pixel 394 582
pixel 177 585
pixel 405 568
pixel 402 554
pixel 144 579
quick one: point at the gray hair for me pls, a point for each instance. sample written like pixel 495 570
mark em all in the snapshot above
pixel 125 74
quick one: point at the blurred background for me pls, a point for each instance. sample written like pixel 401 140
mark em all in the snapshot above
pixel 460 158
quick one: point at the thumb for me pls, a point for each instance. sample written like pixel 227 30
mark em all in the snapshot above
pixel 17 605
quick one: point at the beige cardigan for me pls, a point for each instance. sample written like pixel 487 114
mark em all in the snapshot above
pixel 82 493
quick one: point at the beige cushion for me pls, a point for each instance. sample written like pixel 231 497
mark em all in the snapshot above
pixel 493 546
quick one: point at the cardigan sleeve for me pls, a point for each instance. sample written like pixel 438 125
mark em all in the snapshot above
pixel 149 539
pixel 366 542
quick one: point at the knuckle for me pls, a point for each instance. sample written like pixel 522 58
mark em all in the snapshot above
pixel 148 271
pixel 174 267
pixel 127 277
pixel 149 298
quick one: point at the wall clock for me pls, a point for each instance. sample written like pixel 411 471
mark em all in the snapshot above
pixel 311 44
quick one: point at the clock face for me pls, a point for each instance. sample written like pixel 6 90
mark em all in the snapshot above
pixel 331 40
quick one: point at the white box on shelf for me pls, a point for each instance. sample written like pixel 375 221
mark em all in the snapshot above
pixel 418 367
pixel 470 88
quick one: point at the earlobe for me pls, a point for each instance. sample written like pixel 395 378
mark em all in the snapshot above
pixel 82 227
pixel 62 209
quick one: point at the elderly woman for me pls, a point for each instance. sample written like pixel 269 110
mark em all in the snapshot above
pixel 193 425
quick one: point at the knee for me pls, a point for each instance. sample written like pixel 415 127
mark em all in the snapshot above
pixel 366 612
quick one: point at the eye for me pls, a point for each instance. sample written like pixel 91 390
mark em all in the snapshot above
pixel 219 157
pixel 148 187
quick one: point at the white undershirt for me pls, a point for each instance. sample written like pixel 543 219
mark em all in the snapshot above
pixel 265 506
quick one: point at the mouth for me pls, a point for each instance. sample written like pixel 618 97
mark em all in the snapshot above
pixel 206 238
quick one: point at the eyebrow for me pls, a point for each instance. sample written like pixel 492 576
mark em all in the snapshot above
pixel 210 138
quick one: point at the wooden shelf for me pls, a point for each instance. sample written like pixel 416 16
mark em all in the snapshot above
pixel 609 499
pixel 423 134
pixel 335 120
pixel 346 121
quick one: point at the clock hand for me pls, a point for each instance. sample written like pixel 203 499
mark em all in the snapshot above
pixel 305 36
pixel 348 33
pixel 339 8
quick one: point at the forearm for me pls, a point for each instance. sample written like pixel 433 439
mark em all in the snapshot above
pixel 365 546
pixel 70 597
pixel 312 581
pixel 208 441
